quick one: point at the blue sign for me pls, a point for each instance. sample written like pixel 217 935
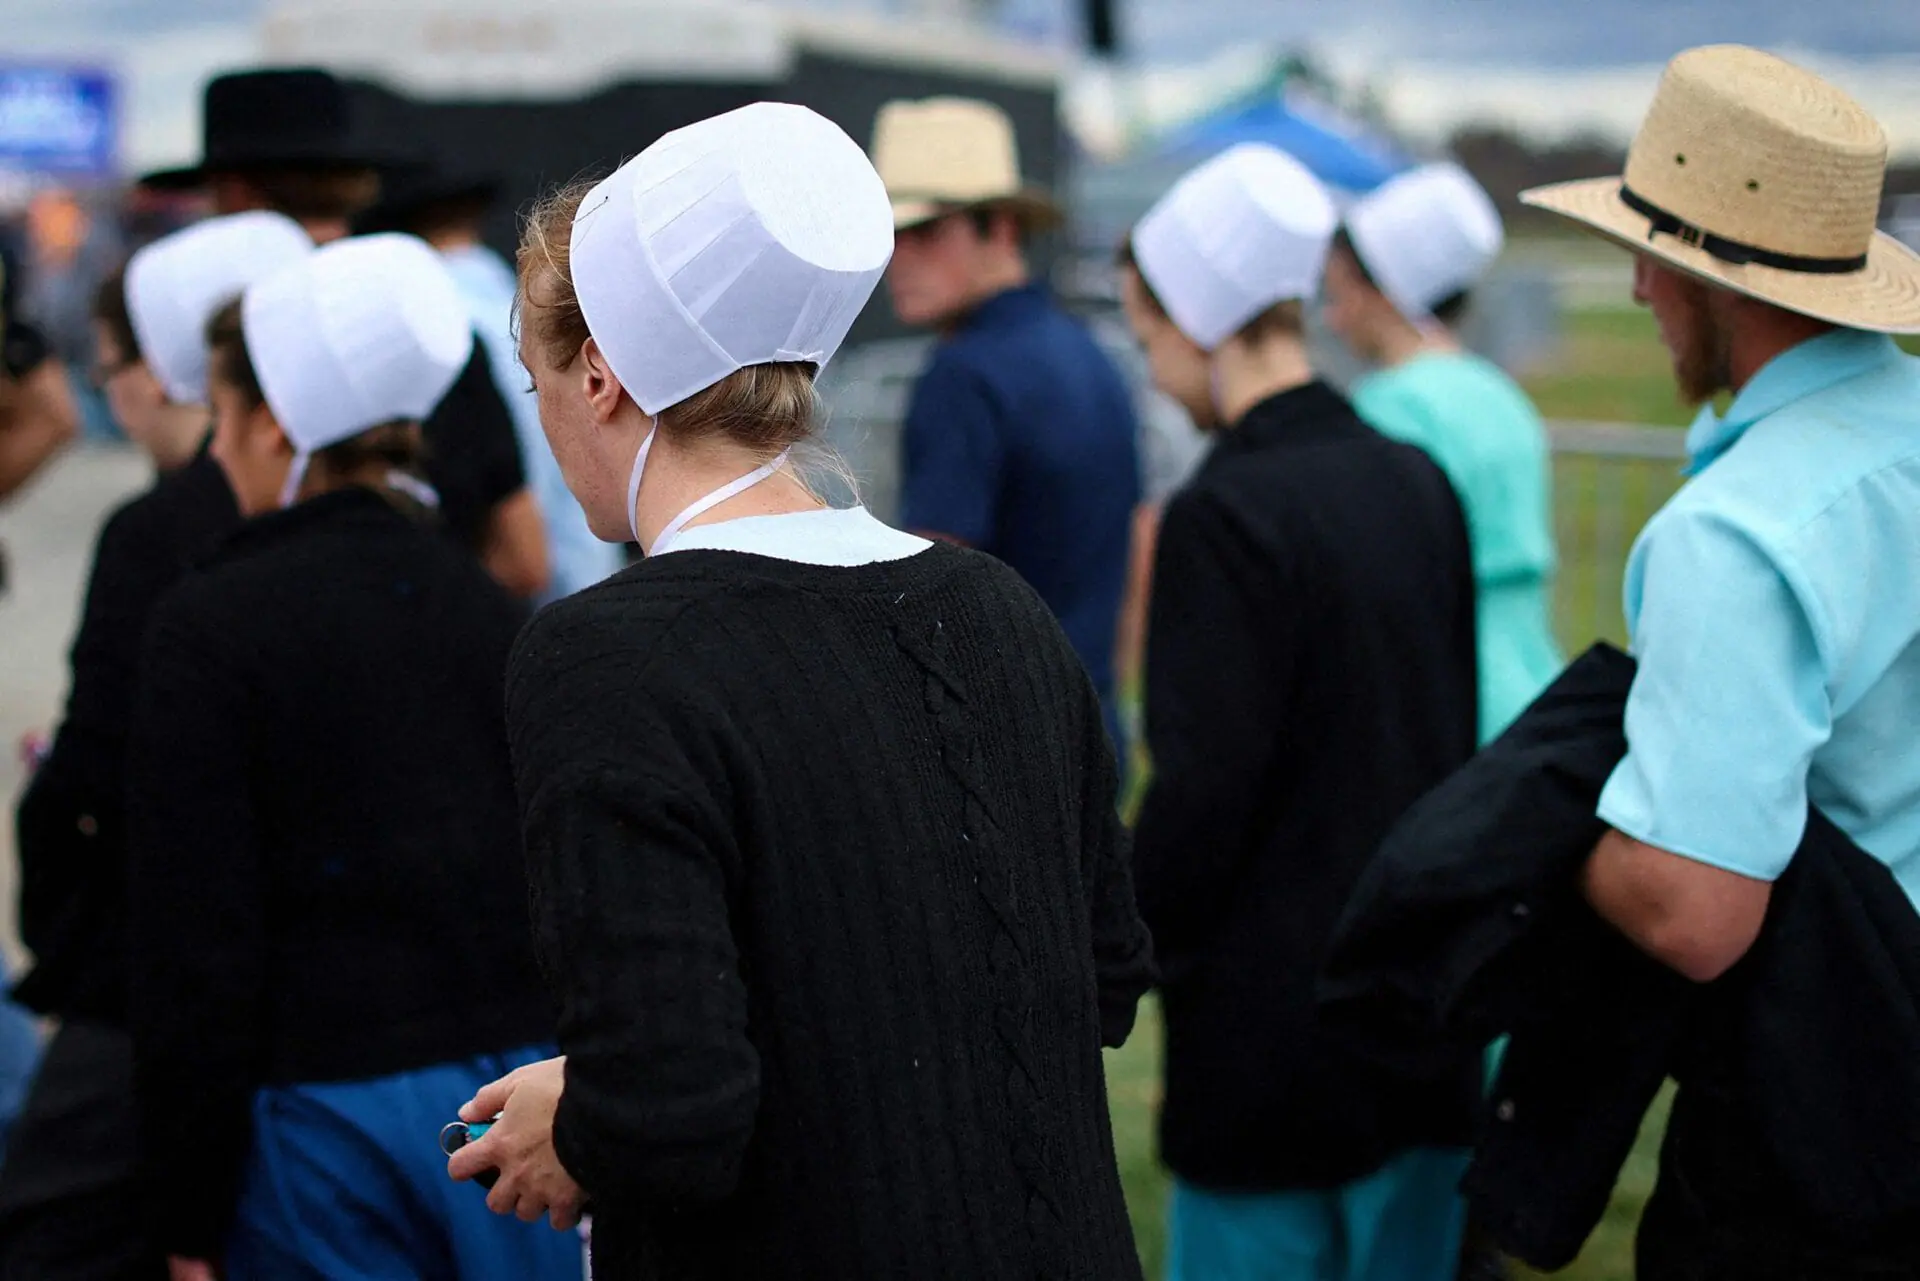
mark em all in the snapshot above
pixel 58 121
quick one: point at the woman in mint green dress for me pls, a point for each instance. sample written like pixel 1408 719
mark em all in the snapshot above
pixel 1397 279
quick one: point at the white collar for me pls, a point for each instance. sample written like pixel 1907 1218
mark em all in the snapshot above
pixel 842 537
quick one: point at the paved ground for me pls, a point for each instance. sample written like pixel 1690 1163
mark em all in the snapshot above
pixel 48 533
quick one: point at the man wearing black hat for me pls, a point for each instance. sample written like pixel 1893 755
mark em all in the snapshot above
pixel 291 140
pixel 283 140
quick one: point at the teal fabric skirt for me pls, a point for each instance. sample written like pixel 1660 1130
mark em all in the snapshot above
pixel 1402 1223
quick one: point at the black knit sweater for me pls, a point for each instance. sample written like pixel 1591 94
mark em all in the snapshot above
pixel 827 874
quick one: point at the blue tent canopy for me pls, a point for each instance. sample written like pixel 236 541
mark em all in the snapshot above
pixel 1339 152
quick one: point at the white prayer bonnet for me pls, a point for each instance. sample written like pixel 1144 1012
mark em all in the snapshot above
pixel 1425 236
pixel 361 332
pixel 1246 230
pixel 749 238
pixel 177 284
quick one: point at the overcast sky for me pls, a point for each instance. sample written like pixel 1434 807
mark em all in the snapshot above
pixel 1523 54
pixel 1555 32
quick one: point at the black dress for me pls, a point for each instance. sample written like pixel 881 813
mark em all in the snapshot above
pixel 327 881
pixel 828 877
pixel 1310 673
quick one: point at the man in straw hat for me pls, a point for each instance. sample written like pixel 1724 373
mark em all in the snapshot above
pixel 1020 439
pixel 1774 604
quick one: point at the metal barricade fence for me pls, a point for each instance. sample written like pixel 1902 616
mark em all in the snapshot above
pixel 1608 478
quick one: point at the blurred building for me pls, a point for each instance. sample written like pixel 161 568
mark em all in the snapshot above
pixel 540 96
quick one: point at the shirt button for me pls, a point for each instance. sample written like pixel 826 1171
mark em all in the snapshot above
pixel 1505 1110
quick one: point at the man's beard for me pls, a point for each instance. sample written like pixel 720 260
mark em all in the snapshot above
pixel 1704 365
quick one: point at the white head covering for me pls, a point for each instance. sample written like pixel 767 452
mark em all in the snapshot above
pixel 1247 229
pixel 359 333
pixel 752 237
pixel 176 284
pixel 1425 235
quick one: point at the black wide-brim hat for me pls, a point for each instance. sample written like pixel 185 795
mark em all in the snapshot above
pixel 407 192
pixel 295 116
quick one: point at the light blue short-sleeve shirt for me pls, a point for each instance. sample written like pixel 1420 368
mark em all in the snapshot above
pixel 1774 606
pixel 577 559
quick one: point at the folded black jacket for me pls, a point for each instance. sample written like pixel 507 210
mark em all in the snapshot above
pixel 1470 924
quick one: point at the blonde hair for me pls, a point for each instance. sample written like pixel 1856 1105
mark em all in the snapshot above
pixel 766 408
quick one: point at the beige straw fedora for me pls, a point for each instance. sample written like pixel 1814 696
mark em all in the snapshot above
pixel 1758 176
pixel 941 155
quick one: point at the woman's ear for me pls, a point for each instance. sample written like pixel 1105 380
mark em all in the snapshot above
pixel 266 432
pixel 599 383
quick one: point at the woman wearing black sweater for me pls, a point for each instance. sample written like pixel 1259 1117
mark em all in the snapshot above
pixel 327 908
pixel 820 817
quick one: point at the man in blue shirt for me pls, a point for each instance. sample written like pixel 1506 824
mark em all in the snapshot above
pixel 1020 439
pixel 1774 604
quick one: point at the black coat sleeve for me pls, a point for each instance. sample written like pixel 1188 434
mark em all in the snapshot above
pixel 71 822
pixel 197 931
pixel 132 569
pixel 1122 947
pixel 631 858
pixel 1220 640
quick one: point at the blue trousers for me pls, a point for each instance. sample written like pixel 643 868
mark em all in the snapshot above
pixel 19 1058
pixel 347 1182
pixel 1401 1223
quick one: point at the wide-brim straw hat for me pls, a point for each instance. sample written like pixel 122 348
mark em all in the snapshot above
pixel 1758 176
pixel 944 155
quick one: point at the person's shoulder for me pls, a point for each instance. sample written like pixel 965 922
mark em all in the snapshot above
pixel 1816 461
pixel 1235 504
pixel 186 514
pixel 1490 395
pixel 967 356
pixel 1393 402
pixel 618 624
pixel 210 602
pixel 1007 604
pixel 135 524
pixel 968 569
pixel 1052 329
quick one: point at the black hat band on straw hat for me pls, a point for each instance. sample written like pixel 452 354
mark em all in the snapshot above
pixel 1664 222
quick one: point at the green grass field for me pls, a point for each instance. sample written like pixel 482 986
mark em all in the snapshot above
pixel 1133 1088
pixel 1612 368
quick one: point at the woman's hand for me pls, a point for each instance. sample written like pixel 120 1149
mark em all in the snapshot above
pixel 179 1269
pixel 519 1145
